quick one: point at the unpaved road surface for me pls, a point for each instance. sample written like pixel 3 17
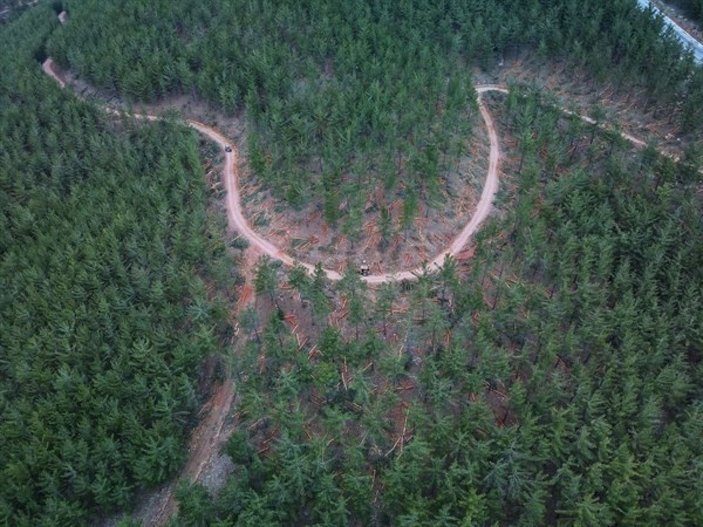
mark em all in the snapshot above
pixel 208 438
pixel 684 36
pixel 205 441
pixel 238 222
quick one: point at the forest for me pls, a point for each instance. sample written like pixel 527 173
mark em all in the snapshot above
pixel 553 377
pixel 10 9
pixel 694 8
pixel 340 96
pixel 557 382
pixel 110 265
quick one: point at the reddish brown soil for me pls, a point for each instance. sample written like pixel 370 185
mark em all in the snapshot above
pixel 433 231
pixel 305 235
pixel 211 433
pixel 205 441
pixel 632 110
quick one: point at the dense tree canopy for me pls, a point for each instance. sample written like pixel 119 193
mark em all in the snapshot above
pixel 344 95
pixel 104 317
pixel 559 382
pixel 556 378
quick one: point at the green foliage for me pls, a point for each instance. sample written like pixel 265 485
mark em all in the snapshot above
pixel 332 90
pixel 344 96
pixel 693 8
pixel 555 381
pixel 194 506
pixel 265 281
pixel 103 317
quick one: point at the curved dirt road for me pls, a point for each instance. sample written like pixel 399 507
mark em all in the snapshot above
pixel 239 222
pixel 208 437
pixel 483 208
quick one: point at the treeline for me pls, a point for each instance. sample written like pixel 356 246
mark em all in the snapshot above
pixel 105 317
pixel 342 96
pixel 338 97
pixel 694 8
pixel 10 9
pixel 560 382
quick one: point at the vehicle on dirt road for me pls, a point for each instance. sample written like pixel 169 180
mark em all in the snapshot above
pixel 364 269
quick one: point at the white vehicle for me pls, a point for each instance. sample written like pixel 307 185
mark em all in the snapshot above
pixel 364 269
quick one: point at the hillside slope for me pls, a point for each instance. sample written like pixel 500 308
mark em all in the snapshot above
pixel 104 315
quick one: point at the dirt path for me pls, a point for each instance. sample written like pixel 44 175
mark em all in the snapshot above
pixel 208 437
pixel 211 434
pixel 238 222
pixel 214 429
pixel 483 208
pixel 206 440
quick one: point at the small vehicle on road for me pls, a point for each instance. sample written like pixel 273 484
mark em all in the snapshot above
pixel 364 269
pixel 228 148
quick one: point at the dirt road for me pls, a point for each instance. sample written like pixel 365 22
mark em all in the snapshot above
pixel 689 41
pixel 206 441
pixel 209 436
pixel 238 222
pixel 483 208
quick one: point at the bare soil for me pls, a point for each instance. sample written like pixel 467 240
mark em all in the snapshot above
pixel 435 233
pixel 206 442
pixel 206 463
pixel 306 236
pixel 631 110
pixel 185 106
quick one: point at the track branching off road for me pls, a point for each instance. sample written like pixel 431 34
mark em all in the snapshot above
pixel 238 222
pixel 209 436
